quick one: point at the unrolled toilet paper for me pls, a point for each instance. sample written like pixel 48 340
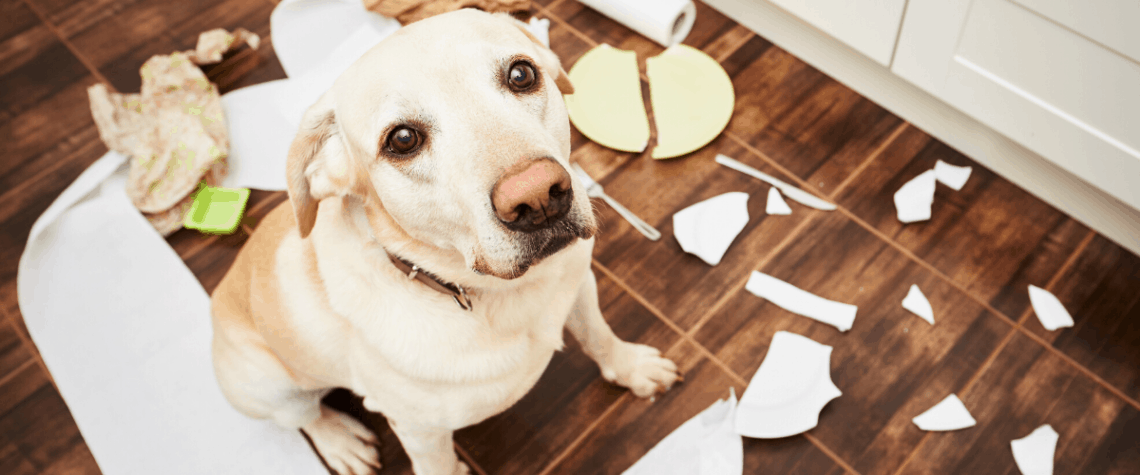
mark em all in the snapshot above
pixel 667 22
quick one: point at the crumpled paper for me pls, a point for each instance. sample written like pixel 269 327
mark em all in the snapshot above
pixel 411 11
pixel 173 130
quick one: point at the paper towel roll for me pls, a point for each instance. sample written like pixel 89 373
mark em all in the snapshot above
pixel 667 22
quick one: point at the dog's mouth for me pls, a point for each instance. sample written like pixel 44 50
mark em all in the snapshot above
pixel 536 246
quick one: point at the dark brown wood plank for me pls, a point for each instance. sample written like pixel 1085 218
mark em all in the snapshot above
pixel 14 354
pixel 1028 386
pixel 76 461
pixel 119 44
pixel 992 238
pixel 1100 291
pixel 891 365
pixel 678 284
pixel 637 425
pixel 41 427
pixel 570 395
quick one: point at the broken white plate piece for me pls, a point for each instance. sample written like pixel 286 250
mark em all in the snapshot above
pixel 789 390
pixel 918 305
pixel 951 175
pixel 950 414
pixel 1048 309
pixel 707 444
pixel 1034 453
pixel 692 99
pixel 796 300
pixel 706 229
pixel 914 199
pixel 540 29
pixel 776 203
pixel 606 105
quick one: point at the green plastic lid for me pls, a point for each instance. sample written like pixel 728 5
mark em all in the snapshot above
pixel 217 210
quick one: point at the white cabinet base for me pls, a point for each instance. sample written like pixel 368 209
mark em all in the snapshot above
pixel 1052 184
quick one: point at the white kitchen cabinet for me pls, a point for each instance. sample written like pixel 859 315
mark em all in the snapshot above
pixel 869 26
pixel 1060 77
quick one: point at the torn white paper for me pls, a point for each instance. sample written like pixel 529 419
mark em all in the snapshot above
pixel 1034 453
pixel 789 390
pixel 540 29
pixel 707 444
pixel 918 305
pixel 950 414
pixel 796 300
pixel 305 32
pixel 951 175
pixel 776 203
pixel 914 199
pixel 706 229
pixel 1048 309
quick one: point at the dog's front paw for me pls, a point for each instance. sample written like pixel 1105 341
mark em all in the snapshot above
pixel 640 368
pixel 348 447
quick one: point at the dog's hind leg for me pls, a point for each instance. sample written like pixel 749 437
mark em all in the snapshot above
pixel 258 385
pixel 641 368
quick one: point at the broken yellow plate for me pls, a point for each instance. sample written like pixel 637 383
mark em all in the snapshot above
pixel 606 105
pixel 692 99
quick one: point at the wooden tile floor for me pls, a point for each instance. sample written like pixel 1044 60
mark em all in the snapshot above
pixel 973 259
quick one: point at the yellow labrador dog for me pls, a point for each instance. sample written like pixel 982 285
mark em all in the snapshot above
pixel 432 250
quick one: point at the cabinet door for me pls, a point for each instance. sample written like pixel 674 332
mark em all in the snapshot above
pixel 869 26
pixel 1059 77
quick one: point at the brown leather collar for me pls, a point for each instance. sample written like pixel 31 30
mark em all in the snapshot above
pixel 414 272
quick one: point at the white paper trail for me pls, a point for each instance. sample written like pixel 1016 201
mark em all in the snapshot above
pixel 707 229
pixel 796 300
pixel 918 305
pixel 913 200
pixel 776 204
pixel 950 414
pixel 1048 309
pixel 1034 453
pixel 707 444
pixel 789 390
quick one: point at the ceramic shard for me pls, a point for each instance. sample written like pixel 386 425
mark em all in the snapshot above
pixel 796 300
pixel 917 304
pixel 789 390
pixel 951 175
pixel 707 229
pixel 913 200
pixel 1048 309
pixel 776 203
pixel 950 414
pixel 1034 453
pixel 707 444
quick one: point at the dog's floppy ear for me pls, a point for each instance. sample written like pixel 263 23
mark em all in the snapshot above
pixel 318 165
pixel 549 60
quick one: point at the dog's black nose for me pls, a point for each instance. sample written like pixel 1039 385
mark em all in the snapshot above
pixel 532 195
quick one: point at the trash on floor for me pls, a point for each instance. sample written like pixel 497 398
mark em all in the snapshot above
pixel 1034 453
pixel 707 229
pixel 1048 309
pixel 789 390
pixel 707 444
pixel 540 29
pixel 173 130
pixel 607 106
pixel 411 11
pixel 950 175
pixel 950 414
pixel 914 199
pixel 776 204
pixel 918 305
pixel 692 99
pixel 803 197
pixel 217 210
pixel 796 300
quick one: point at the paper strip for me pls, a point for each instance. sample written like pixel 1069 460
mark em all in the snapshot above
pixel 795 300
pixel 1034 453
pixel 1048 309
pixel 914 199
pixel 704 445
pixel 950 414
pixel 776 203
pixel 950 175
pixel 917 304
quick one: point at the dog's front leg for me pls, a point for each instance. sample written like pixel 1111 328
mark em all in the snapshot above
pixel 641 368
pixel 430 449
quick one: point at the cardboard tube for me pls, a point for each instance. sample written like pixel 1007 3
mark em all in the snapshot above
pixel 666 22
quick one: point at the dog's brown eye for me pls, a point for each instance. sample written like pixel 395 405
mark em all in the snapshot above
pixel 403 140
pixel 522 76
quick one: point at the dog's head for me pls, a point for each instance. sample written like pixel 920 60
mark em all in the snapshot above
pixel 454 132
